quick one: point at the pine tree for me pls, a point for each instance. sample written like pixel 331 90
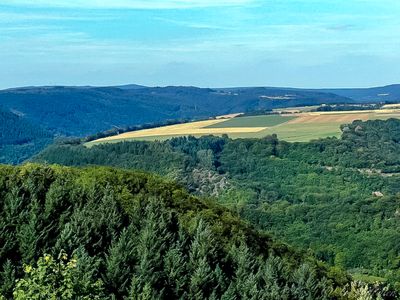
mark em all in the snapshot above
pixel 7 279
pixel 11 217
pixel 201 254
pixel 274 276
pixel 175 268
pixel 153 242
pixel 306 286
pixel 86 272
pixel 246 281
pixel 120 261
pixel 28 234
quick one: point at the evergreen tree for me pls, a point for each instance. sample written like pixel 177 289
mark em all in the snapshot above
pixel 201 255
pixel 7 279
pixel 120 261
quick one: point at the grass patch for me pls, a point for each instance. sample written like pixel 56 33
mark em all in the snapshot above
pixel 253 121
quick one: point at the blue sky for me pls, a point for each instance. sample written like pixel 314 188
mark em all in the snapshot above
pixel 299 43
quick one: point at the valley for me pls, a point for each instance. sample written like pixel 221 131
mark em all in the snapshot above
pixel 199 150
pixel 92 113
pixel 319 195
pixel 283 186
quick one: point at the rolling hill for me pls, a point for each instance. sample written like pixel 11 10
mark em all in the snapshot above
pixel 102 233
pixel 82 111
pixel 338 198
pixel 86 110
pixel 389 93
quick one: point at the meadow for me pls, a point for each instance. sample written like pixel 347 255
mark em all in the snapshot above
pixel 301 126
pixel 253 121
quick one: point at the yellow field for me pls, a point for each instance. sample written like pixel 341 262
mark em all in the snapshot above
pixel 194 128
pixel 397 105
pixel 292 127
pixel 315 125
pixel 305 118
pixel 292 110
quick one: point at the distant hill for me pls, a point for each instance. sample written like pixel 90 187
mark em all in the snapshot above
pixel 377 94
pixel 131 86
pixel 86 110
pixel 81 111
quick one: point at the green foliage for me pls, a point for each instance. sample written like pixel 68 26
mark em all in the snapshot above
pixel 338 198
pixel 134 236
pixel 7 279
pixel 358 290
pixel 55 279
pixel 20 139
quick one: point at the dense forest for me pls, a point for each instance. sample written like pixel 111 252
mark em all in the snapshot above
pixel 338 198
pixel 20 139
pixel 102 233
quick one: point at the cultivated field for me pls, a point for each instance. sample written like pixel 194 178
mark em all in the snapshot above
pixel 253 121
pixel 195 128
pixel 292 127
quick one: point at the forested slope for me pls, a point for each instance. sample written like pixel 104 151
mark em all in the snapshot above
pixel 81 111
pixel 338 197
pixel 102 233
pixel 19 138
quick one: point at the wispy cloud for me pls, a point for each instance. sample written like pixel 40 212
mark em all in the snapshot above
pixel 195 25
pixel 129 4
pixel 14 17
pixel 221 40
pixel 341 27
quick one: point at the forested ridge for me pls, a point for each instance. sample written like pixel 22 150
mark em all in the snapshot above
pixel 336 197
pixel 81 111
pixel 19 138
pixel 74 111
pixel 102 233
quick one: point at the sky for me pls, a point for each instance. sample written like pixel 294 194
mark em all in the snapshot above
pixel 206 43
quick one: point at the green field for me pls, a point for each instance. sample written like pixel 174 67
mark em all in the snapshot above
pixel 253 121
pixel 296 132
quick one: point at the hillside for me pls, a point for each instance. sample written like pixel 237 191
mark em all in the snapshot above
pixel 323 195
pixel 389 93
pixel 82 111
pixel 101 233
pixel 19 138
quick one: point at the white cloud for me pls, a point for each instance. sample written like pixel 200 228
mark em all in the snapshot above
pixel 129 4
pixel 12 17
pixel 195 25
